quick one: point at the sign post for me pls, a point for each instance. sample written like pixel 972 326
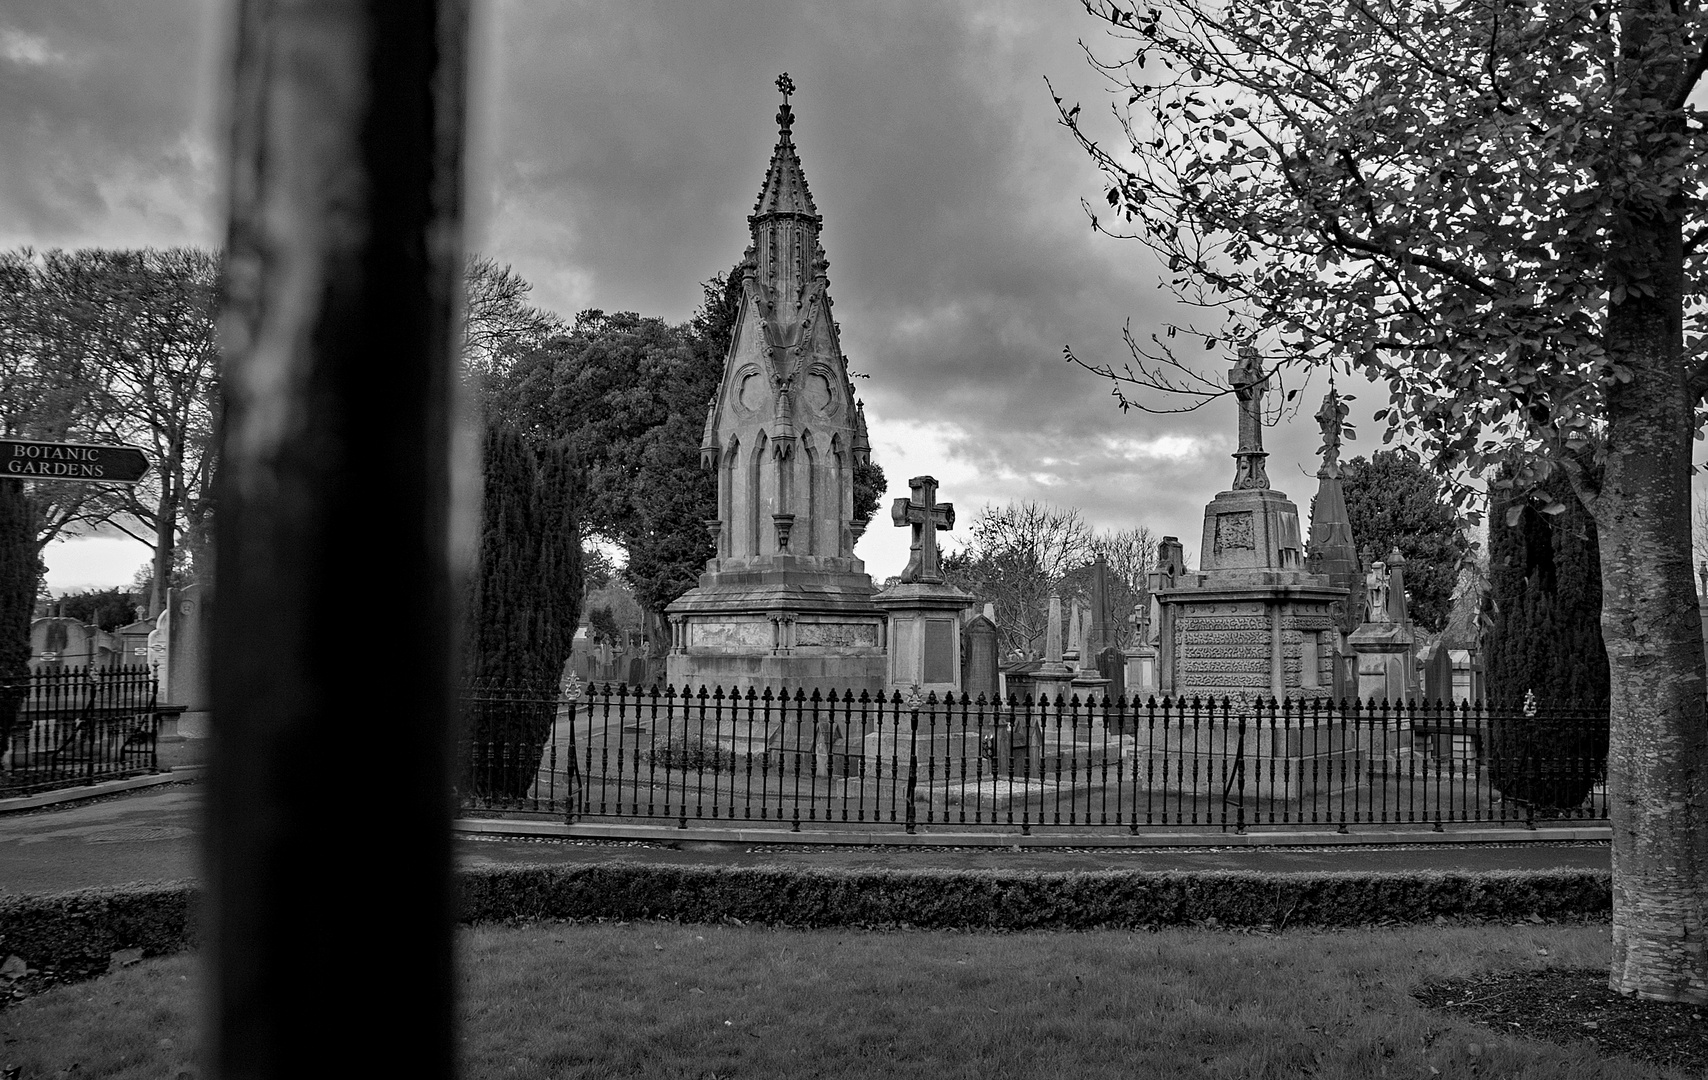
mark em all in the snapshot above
pixel 26 460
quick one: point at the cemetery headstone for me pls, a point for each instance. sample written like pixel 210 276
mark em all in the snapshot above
pixel 185 681
pixel 978 658
pixel 923 610
pixel 1112 666
pixel 1020 747
pixel 1103 631
pixel 1053 677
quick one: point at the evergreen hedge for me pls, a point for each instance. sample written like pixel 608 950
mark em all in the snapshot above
pixel 20 570
pixel 1542 635
pixel 523 607
pixel 76 932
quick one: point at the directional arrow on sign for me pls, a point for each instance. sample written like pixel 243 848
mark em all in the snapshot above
pixel 25 460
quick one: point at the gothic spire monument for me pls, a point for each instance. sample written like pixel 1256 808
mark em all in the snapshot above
pixel 783 603
pixel 1332 549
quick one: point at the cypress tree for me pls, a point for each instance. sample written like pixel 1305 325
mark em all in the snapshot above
pixel 1542 635
pixel 20 571
pixel 524 601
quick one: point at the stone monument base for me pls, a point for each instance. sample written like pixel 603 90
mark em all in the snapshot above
pixel 789 625
pixel 1386 666
pixel 924 637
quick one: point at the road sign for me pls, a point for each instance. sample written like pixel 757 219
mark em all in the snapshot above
pixel 23 460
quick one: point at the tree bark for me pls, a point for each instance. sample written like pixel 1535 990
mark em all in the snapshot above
pixel 165 535
pixel 1657 765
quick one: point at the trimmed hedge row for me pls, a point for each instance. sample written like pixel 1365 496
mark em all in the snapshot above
pixel 1008 900
pixel 76 932
pixel 80 930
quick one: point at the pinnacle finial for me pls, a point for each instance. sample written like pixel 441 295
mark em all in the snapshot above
pixel 785 115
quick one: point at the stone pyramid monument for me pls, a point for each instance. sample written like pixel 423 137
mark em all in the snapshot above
pixel 784 604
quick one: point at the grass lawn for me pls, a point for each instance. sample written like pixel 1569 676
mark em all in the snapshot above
pixel 698 1002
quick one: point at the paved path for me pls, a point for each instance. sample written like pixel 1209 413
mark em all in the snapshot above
pixel 151 835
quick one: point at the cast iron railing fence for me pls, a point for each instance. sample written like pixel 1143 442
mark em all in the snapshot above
pixel 76 725
pixel 830 761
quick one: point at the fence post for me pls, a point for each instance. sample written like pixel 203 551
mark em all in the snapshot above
pixel 912 759
pixel 1237 774
pixel 571 767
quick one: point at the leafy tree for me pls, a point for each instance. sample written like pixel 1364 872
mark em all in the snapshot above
pixel 523 606
pixel 630 393
pixel 107 609
pixel 117 346
pixel 596 568
pixel 1492 209
pixel 603 622
pixel 1015 556
pixel 498 321
pixel 1393 501
pixel 626 392
pixel 165 382
pixel 869 487
pixel 52 384
pixel 1131 556
pixel 1542 635
pixel 142 582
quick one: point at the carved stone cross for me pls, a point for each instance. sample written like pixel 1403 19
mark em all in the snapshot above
pixel 926 515
pixel 1249 385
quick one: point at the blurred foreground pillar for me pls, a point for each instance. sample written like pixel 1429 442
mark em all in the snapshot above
pixel 329 914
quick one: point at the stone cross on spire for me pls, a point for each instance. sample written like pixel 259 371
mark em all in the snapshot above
pixel 785 115
pixel 926 515
pixel 1249 384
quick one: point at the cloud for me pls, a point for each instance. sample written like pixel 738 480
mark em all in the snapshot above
pixel 616 151
pixel 107 138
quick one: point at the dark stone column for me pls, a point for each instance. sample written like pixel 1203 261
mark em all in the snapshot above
pixel 331 944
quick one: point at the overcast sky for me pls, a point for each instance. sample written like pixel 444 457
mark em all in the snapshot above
pixel 618 148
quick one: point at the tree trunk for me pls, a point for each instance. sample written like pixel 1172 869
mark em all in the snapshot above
pixel 1657 764
pixel 165 535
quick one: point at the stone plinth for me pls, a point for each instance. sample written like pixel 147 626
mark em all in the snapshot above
pixel 1141 671
pixel 1250 529
pixel 1386 669
pixel 924 637
pixel 1050 680
pixel 1251 633
pixel 782 626
pixel 1291 764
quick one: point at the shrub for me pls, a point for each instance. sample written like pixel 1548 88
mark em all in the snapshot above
pixel 691 753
